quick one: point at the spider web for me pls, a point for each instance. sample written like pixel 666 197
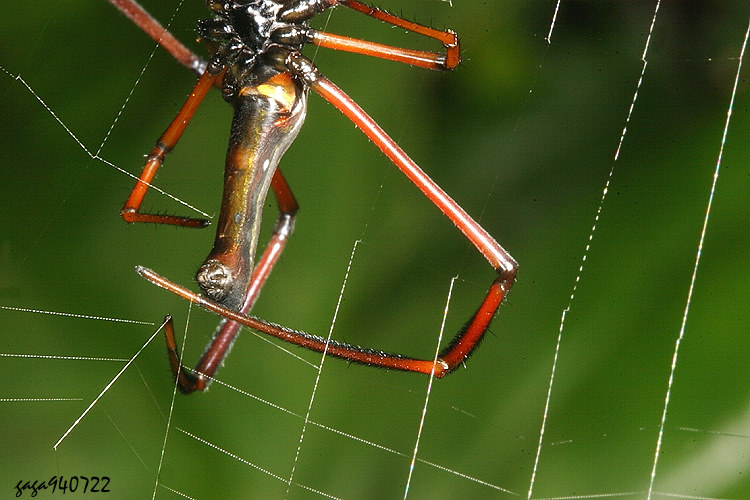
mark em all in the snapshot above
pixel 592 140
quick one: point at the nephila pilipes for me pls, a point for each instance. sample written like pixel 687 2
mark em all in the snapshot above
pixel 256 62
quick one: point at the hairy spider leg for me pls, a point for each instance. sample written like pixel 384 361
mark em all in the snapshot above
pixel 430 60
pixel 155 159
pixel 496 255
pixel 160 35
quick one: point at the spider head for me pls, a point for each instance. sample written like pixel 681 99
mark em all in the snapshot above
pixel 241 31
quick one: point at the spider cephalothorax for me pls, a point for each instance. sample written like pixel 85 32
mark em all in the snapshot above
pixel 242 33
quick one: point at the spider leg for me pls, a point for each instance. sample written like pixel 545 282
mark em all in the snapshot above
pixel 160 35
pixel 288 208
pixel 496 255
pixel 349 352
pixel 424 59
pixel 155 159
pixel 449 60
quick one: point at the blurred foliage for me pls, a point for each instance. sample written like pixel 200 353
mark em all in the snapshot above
pixel 523 135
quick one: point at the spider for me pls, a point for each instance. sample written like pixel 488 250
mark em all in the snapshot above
pixel 256 62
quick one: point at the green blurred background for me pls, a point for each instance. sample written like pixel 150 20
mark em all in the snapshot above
pixel 523 135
